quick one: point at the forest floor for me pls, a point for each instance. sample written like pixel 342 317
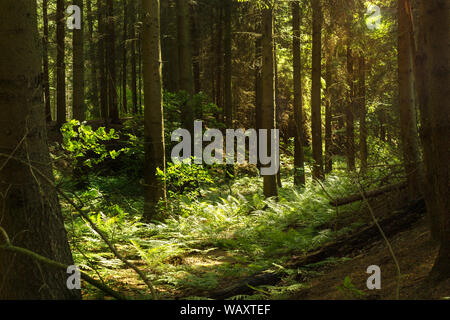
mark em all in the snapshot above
pixel 225 232
pixel 415 253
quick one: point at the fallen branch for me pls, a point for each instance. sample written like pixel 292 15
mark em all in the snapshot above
pixel 369 194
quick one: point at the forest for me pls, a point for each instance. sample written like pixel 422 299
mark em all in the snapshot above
pixel 224 150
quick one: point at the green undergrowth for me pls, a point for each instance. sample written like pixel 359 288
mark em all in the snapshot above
pixel 227 233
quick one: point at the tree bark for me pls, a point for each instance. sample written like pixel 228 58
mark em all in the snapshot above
pixel 299 157
pixel 111 64
pixel 78 107
pixel 185 63
pixel 362 113
pixel 153 116
pixel 350 112
pixel 101 56
pixel 46 80
pixel 93 93
pixel 31 214
pixel 60 64
pixel 433 59
pixel 407 111
pixel 268 88
pixel 124 58
pixel 316 100
pixel 134 42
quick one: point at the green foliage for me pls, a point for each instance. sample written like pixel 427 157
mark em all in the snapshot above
pixel 349 290
pixel 87 145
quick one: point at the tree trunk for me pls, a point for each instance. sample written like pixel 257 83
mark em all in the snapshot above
pixel 328 116
pixel 268 97
pixel 362 113
pixel 407 111
pixel 93 95
pixel 350 111
pixel 228 95
pixel 124 58
pixel 60 65
pixel 185 63
pixel 31 215
pixel 78 108
pixel 154 123
pixel 101 56
pixel 316 100
pixel 433 63
pixel 134 41
pixel 196 45
pixel 219 63
pixel 46 80
pixel 111 64
pixel 299 158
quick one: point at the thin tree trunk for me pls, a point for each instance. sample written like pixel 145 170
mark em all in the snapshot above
pixel 299 158
pixel 328 115
pixel 350 112
pixel 101 57
pixel 93 95
pixel 219 63
pixel 46 80
pixel 31 215
pixel 196 44
pixel 133 44
pixel 362 114
pixel 185 63
pixel 316 100
pixel 268 85
pixel 124 58
pixel 154 122
pixel 78 107
pixel 407 111
pixel 111 64
pixel 60 65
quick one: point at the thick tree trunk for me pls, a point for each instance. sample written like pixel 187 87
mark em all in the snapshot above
pixel 78 108
pixel 433 60
pixel 407 111
pixel 60 64
pixel 268 88
pixel 154 123
pixel 316 100
pixel 31 215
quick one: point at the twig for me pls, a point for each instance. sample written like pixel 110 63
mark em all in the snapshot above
pixel 391 250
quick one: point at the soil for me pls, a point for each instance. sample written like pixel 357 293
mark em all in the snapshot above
pixel 415 253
